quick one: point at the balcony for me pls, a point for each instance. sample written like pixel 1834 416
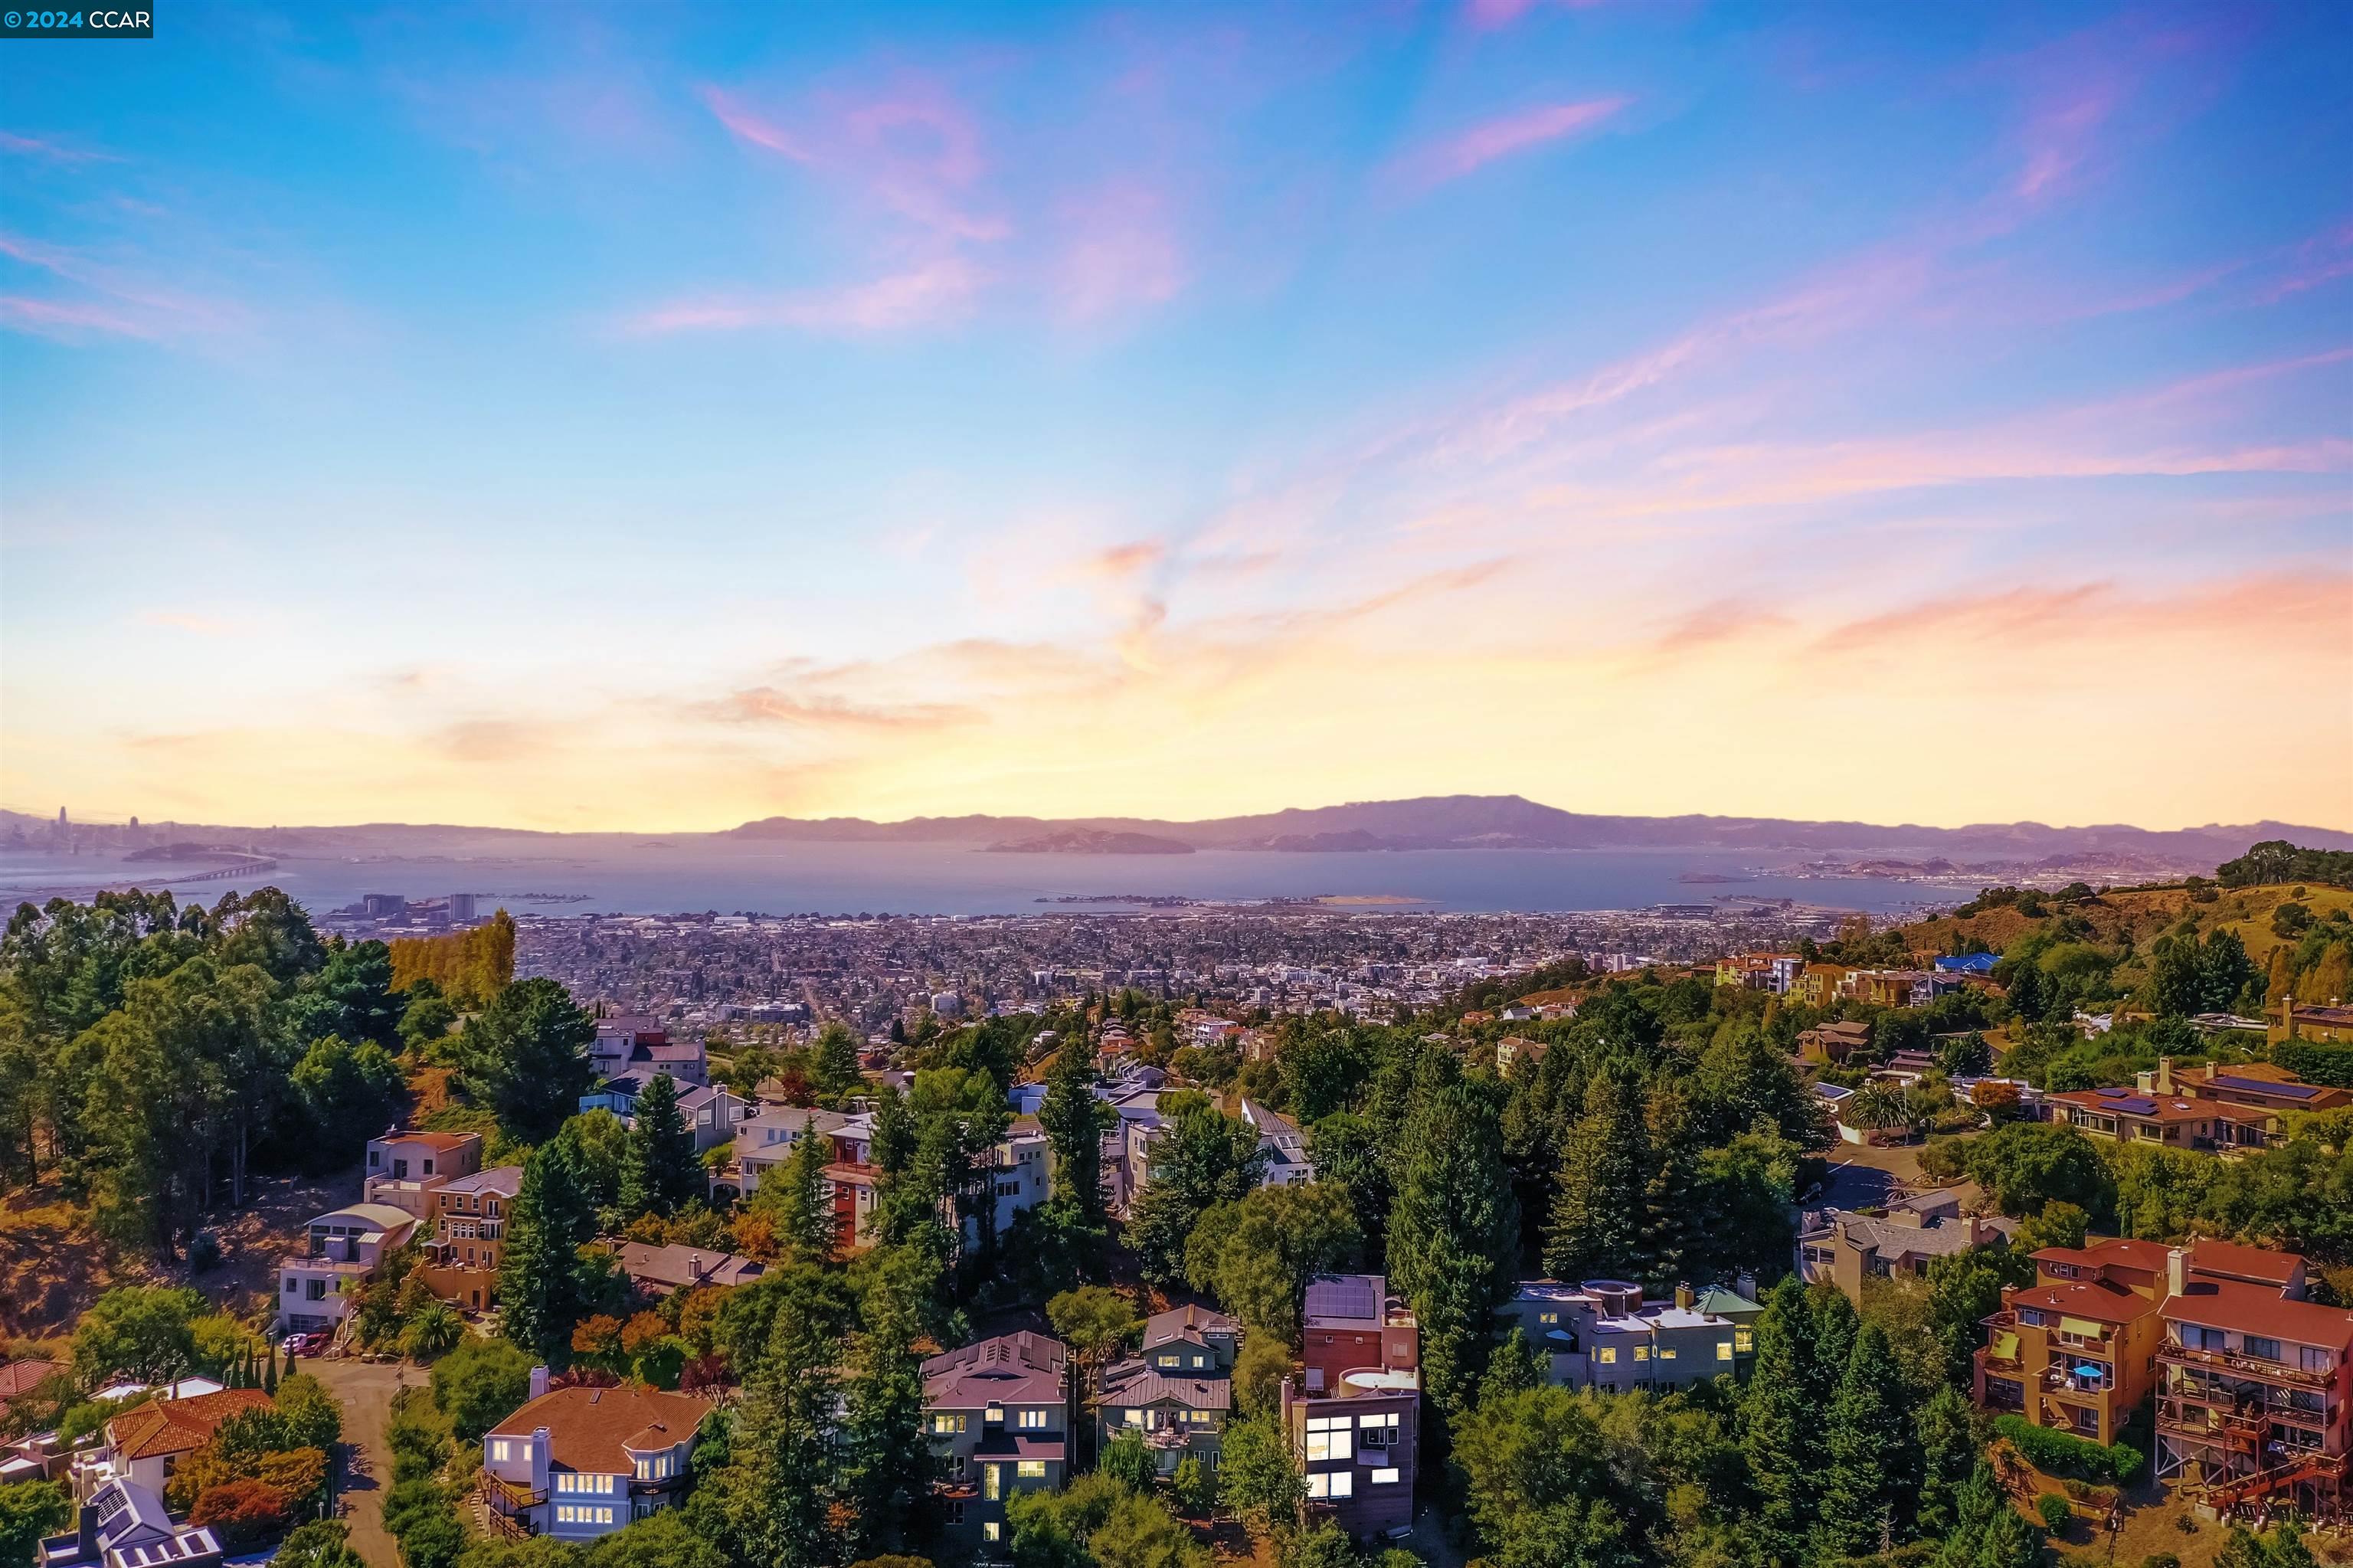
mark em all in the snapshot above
pixel 2243 1366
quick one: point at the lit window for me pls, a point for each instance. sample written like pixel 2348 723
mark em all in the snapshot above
pixel 1030 1469
pixel 1641 1352
pixel 991 1530
pixel 1723 1350
pixel 1744 1340
pixel 1548 1316
pixel 1608 1354
pixel 498 1449
pixel 1034 1420
pixel 1327 1437
pixel 1666 1353
pixel 948 1423
pixel 1387 1477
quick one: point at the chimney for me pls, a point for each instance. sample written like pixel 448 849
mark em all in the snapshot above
pixel 2165 1075
pixel 1744 1285
pixel 539 1379
pixel 1685 1297
pixel 1973 1229
pixel 2177 1272
pixel 694 1268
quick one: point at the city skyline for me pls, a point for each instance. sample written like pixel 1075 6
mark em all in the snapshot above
pixel 610 422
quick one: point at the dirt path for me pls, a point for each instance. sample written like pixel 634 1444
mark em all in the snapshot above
pixel 366 1389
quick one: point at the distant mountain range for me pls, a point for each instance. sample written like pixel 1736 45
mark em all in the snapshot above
pixel 1443 822
pixel 1510 821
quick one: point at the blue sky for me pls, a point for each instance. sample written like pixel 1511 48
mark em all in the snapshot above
pixel 602 416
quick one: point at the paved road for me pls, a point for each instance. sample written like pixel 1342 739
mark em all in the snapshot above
pixel 366 1390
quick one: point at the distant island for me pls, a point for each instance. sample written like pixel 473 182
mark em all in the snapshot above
pixel 1089 841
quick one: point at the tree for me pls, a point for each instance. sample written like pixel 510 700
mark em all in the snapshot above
pixel 798 1197
pixel 2024 1165
pixel 1987 1531
pixel 347 1092
pixel 524 1058
pixel 596 1144
pixel 1965 1289
pixel 836 1073
pixel 1258 1256
pixel 1192 1487
pixel 1260 1367
pixel 1870 1473
pixel 1944 1434
pixel 1257 1475
pixel 1454 1230
pixel 1595 1227
pixel 1095 1323
pixel 1207 1158
pixel 889 1458
pixel 661 1173
pixel 1542 1475
pixel 545 1285
pixel 349 997
pixel 1074 1121
pixel 143 1332
pixel 779 1499
pixel 1129 1462
pixel 1781 1426
pixel 28 1511
pixel 665 1538
pixel 321 1543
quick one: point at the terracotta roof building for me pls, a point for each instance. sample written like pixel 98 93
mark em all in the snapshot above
pixel 584 1462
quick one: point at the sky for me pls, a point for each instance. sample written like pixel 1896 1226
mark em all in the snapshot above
pixel 653 418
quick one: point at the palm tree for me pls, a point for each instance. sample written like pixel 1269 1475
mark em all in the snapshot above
pixel 434 1329
pixel 1875 1107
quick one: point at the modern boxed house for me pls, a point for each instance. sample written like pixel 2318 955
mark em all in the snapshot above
pixel 1354 1414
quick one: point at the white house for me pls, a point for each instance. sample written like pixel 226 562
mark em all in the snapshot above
pixel 347 1245
pixel 584 1462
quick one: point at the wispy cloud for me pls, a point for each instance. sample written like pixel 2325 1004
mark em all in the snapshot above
pixel 52 150
pixel 936 291
pixel 1467 151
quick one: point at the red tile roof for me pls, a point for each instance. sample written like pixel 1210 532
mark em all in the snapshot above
pixel 178 1425
pixel 2100 1302
pixel 2259 1265
pixel 19 1376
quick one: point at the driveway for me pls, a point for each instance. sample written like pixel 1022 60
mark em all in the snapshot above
pixel 366 1389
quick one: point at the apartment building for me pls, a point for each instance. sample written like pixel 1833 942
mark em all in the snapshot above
pixel 2254 1401
pixel 1001 1413
pixel 1354 1414
pixel 2076 1350
pixel 580 1463
pixel 1603 1334
pixel 346 1246
pixel 469 1237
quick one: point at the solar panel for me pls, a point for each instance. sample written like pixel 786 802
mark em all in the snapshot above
pixel 2137 1107
pixel 2114 1094
pixel 1351 1296
pixel 2265 1086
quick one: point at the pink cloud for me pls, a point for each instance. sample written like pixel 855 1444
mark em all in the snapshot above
pixel 1501 138
pixel 127 304
pixel 1485 15
pixel 752 128
pixel 1125 253
pixel 912 151
pixel 55 152
pixel 55 318
pixel 925 295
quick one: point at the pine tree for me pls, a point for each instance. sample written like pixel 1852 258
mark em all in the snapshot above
pixel 1777 1420
pixel 779 1498
pixel 544 1286
pixel 1668 1235
pixel 836 1071
pixel 1454 1232
pixel 800 1196
pixel 269 1371
pixel 1987 1531
pixel 888 1456
pixel 1830 1340
pixel 1596 1225
pixel 660 1172
pixel 1947 1451
pixel 1074 1122
pixel 1871 1457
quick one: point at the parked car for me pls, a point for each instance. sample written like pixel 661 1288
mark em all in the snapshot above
pixel 303 1344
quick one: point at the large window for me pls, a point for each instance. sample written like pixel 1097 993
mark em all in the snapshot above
pixel 1327 1437
pixel 2259 1348
pixel 1030 1470
pixel 946 1423
pixel 1332 1484
pixel 1033 1420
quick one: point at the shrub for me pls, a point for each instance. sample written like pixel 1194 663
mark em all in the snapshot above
pixel 2057 1513
pixel 2063 1454
pixel 242 1512
pixel 479 1385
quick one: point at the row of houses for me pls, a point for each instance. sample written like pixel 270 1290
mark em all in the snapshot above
pixel 2221 1109
pixel 1820 984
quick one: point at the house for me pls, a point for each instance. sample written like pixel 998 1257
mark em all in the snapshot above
pixel 1354 1414
pixel 122 1524
pixel 1741 1310
pixel 2293 1019
pixel 1881 988
pixel 2254 1085
pixel 1282 1144
pixel 1834 1043
pixel 20 1377
pixel 469 1237
pixel 1514 1047
pixel 1980 964
pixel 1192 1339
pixel 1177 1412
pixel 580 1463
pixel 1844 1249
pixel 146 1443
pixel 711 1114
pixel 1001 1413
pixel 404 1166
pixel 1603 1334
pixel 2076 1350
pixel 1024 1173
pixel 2128 1116
pixel 657 1271
pixel 2254 1394
pixel 1771 972
pixel 347 1245
pixel 764 1141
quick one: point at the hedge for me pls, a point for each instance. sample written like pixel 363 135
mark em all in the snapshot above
pixel 2064 1454
pixel 2315 1061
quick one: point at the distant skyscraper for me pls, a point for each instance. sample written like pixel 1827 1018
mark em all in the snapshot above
pixel 383 906
pixel 462 908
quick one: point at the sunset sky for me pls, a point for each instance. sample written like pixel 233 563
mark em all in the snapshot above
pixel 656 417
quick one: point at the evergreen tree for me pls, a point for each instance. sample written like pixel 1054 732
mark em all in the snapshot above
pixel 1454 1230
pixel 661 1171
pixel 1074 1122
pixel 800 1196
pixel 1208 1158
pixel 545 1285
pixel 835 1074
pixel 1596 1214
pixel 524 1058
pixel 1670 1236
pixel 1946 1437
pixel 1869 1448
pixel 779 1499
pixel 1835 1324
pixel 887 1455
pixel 894 1134
pixel 1987 1531
pixel 1779 1424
